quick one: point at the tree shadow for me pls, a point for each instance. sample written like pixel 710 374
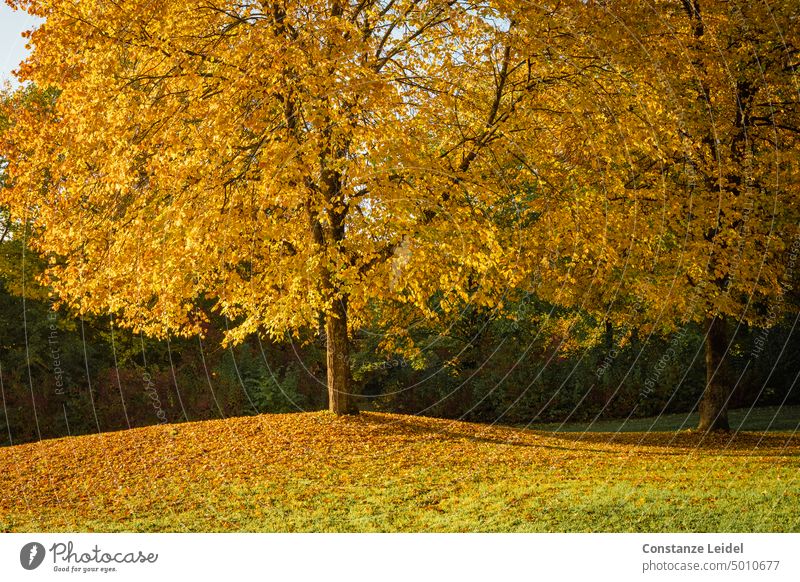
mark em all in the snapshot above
pixel 740 444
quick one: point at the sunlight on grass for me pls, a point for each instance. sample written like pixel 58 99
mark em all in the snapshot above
pixel 380 472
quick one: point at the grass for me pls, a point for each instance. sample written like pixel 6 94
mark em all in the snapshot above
pixel 768 418
pixel 381 472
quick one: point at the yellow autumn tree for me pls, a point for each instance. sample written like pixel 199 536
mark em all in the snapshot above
pixel 360 161
pixel 288 161
pixel 697 205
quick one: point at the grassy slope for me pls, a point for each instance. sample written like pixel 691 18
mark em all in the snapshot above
pixel 379 472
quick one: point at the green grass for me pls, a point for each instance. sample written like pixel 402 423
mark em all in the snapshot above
pixel 769 418
pixel 379 472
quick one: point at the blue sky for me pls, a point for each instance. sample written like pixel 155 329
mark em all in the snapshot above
pixel 12 45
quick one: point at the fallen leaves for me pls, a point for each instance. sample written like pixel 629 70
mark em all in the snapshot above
pixel 314 460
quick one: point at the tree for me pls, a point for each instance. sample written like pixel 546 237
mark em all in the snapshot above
pixel 285 161
pixel 706 113
pixel 371 163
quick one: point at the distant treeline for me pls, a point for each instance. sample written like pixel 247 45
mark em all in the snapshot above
pixel 64 376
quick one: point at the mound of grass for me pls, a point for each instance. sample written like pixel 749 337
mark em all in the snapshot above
pixel 381 472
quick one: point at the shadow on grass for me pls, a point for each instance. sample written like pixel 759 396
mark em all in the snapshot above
pixel 677 443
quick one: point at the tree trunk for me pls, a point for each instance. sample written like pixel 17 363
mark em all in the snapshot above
pixel 714 405
pixel 339 396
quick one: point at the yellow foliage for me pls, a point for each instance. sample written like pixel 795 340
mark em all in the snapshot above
pixel 274 158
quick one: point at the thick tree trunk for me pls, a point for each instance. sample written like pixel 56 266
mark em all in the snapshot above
pixel 714 405
pixel 339 397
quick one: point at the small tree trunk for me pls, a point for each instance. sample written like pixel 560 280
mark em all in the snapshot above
pixel 339 397
pixel 714 405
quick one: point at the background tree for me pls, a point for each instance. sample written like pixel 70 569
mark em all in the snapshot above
pixel 696 165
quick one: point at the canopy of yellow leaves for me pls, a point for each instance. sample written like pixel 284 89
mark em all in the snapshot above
pixel 271 158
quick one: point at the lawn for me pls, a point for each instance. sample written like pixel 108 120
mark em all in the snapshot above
pixel 382 472
pixel 767 418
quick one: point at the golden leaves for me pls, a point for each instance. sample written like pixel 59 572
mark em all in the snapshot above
pixel 271 162
pixel 123 479
pixel 262 160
